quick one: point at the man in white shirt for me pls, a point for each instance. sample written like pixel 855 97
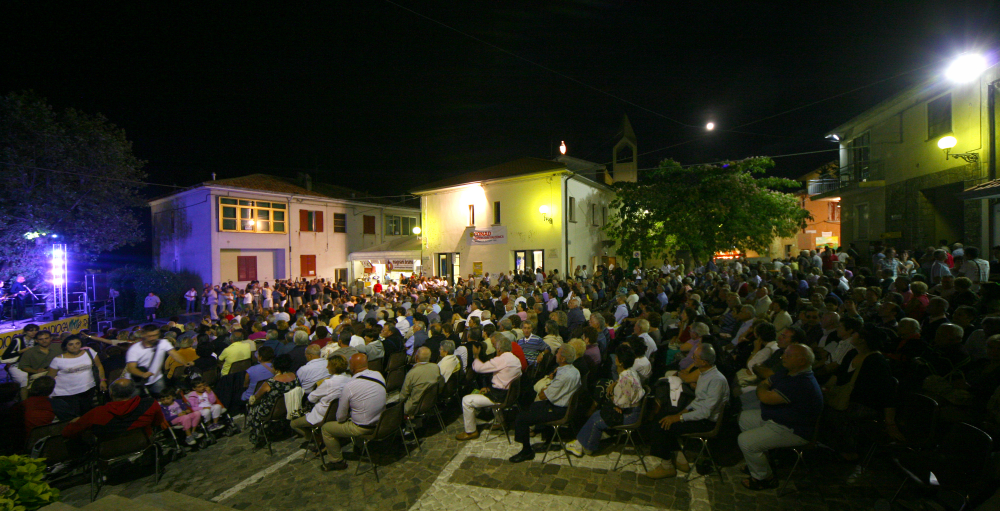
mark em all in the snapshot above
pixel 144 360
pixel 314 370
pixel 642 330
pixel 505 368
pixel 762 302
pixel 449 363
pixel 325 393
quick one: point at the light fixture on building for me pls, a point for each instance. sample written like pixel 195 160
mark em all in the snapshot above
pixel 833 137
pixel 966 68
pixel 710 126
pixel 562 147
pixel 947 143
pixel 416 230
pixel 544 210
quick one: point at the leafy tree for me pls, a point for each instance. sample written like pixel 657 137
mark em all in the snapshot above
pixel 134 283
pixel 67 173
pixel 704 209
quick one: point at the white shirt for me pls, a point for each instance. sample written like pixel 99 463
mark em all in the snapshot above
pixel 326 393
pixel 357 340
pixel 642 366
pixel 75 374
pixel 761 356
pixel 314 371
pixel 448 365
pixel 191 294
pixel 650 344
pixel 150 358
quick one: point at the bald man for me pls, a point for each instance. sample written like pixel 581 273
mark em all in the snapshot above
pixel 361 405
pixel 790 405
pixel 314 370
pixel 418 380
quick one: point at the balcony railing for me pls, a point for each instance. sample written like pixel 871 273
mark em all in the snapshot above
pixel 860 172
pixel 818 186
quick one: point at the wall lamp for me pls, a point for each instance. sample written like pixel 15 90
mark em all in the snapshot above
pixel 544 210
pixel 947 143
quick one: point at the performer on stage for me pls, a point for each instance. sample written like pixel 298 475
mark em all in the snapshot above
pixel 20 293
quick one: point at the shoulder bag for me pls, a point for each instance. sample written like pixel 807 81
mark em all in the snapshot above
pixel 839 396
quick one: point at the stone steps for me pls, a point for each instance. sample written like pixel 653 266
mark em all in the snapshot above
pixel 165 501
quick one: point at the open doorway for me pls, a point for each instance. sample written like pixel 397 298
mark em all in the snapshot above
pixel 948 213
pixel 448 267
pixel 529 260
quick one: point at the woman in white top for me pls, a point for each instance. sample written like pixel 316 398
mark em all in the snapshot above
pixel 265 295
pixel 75 382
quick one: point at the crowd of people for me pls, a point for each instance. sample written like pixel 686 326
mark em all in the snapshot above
pixel 796 350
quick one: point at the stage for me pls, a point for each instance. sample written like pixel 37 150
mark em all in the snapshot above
pixel 71 324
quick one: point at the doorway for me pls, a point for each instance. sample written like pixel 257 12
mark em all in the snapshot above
pixel 448 266
pixel 529 260
pixel 948 212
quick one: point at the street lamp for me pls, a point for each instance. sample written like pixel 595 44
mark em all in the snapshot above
pixel 947 143
pixel 544 210
pixel 966 68
pixel 710 126
pixel 416 230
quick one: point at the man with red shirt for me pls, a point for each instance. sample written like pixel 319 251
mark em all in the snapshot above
pixel 126 411
pixel 322 336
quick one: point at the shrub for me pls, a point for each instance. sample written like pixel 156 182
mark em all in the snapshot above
pixel 22 485
pixel 135 283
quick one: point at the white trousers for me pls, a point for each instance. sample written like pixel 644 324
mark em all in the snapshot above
pixel 214 412
pixel 469 405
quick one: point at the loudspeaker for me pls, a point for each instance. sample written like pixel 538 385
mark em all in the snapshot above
pixel 58 314
pixel 97 289
pixel 103 326
pixel 120 323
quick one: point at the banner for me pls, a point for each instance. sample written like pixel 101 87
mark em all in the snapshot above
pixel 495 235
pixel 477 268
pixel 399 265
pixel 71 324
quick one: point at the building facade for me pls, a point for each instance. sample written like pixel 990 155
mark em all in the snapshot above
pixel 899 188
pixel 522 215
pixel 262 227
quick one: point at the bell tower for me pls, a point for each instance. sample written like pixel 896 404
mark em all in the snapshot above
pixel 624 156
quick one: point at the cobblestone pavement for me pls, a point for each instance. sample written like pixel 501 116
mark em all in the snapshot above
pixel 447 474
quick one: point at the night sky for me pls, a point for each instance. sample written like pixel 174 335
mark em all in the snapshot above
pixel 372 96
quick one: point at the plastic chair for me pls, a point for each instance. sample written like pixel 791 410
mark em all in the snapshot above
pixel 957 466
pixel 129 445
pixel 629 429
pixel 704 437
pixel 396 360
pixel 242 365
pixel 426 406
pixel 564 421
pixel 509 403
pixel 917 420
pixel 375 365
pixel 389 425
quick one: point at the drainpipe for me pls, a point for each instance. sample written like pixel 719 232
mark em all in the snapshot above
pixel 565 208
pixel 991 101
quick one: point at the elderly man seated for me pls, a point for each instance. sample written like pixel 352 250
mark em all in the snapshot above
pixel 790 404
pixel 418 380
pixel 314 370
pixel 449 363
pixel 551 403
pixel 325 393
pixel 362 402
pixel 711 395
pixel 505 366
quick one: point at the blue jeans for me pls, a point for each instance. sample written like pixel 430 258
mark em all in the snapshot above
pixel 190 306
pixel 590 436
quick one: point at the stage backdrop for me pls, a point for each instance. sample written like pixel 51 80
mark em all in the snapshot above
pixel 72 324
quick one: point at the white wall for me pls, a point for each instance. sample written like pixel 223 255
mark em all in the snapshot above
pixel 181 235
pixel 585 237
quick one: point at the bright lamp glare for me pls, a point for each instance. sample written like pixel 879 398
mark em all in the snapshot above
pixel 58 281
pixel 966 68
pixel 416 230
pixel 58 254
pixel 710 126
pixel 57 272
pixel 543 209
pixel 947 142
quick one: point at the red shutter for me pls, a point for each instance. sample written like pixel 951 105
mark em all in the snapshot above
pixel 303 220
pixel 246 268
pixel 369 225
pixel 308 265
pixel 319 222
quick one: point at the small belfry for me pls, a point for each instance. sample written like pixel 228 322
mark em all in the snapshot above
pixel 625 154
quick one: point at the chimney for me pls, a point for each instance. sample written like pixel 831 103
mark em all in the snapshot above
pixel 308 182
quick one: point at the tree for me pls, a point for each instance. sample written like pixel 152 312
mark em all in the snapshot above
pixel 704 209
pixel 68 174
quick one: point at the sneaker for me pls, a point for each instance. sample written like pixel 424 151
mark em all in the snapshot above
pixel 198 434
pixel 575 448
pixel 190 440
pixel 216 426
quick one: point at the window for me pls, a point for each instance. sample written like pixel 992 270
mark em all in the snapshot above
pixel 833 214
pixel 340 222
pixel 472 214
pixel 399 225
pixel 593 215
pixel 340 274
pixel 310 221
pixel 496 213
pixel 939 117
pixel 860 155
pixel 604 215
pixel 572 209
pixel 244 215
pixel 369 225
pixel 246 268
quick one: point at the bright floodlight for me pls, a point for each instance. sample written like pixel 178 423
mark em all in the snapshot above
pixel 710 126
pixel 416 230
pixel 57 253
pixel 966 67
pixel 947 142
pixel 562 147
pixel 543 209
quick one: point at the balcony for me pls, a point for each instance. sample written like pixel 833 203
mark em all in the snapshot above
pixel 817 186
pixel 860 172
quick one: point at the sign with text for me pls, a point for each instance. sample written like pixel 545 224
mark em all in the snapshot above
pixel 72 325
pixel 494 235
pixel 477 268
pixel 399 265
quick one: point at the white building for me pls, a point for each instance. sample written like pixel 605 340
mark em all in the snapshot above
pixel 522 215
pixel 262 227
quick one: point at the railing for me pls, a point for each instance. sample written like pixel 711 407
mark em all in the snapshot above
pixel 860 172
pixel 818 186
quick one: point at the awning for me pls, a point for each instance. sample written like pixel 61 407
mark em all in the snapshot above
pixel 987 190
pixel 404 247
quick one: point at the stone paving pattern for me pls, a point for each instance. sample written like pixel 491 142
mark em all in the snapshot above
pixel 447 474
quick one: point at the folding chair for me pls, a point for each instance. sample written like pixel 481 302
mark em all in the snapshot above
pixel 800 456
pixel 704 437
pixel 564 421
pixel 242 365
pixel 317 430
pixel 125 447
pixel 509 403
pixel 957 466
pixel 389 425
pixel 394 378
pixel 278 414
pixel 375 365
pixel 426 406
pixel 629 429
pixel 47 442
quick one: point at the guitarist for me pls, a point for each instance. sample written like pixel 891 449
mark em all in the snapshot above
pixel 19 291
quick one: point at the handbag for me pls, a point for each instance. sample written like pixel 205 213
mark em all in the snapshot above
pixel 611 416
pixel 839 396
pixel 98 395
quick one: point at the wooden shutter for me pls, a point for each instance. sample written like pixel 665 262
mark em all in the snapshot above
pixel 303 220
pixel 246 268
pixel 308 264
pixel 369 224
pixel 318 222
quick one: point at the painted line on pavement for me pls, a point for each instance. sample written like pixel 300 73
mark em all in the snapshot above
pixel 254 479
